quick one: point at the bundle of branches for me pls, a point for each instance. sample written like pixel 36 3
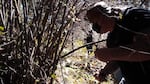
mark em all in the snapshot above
pixel 33 37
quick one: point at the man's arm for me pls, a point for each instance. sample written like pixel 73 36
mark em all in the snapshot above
pixel 120 54
pixel 138 51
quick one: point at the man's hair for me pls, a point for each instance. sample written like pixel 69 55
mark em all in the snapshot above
pixel 97 10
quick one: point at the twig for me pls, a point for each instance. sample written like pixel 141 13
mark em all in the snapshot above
pixel 91 43
pixel 63 78
pixel 142 2
pixel 2 82
pixel 4 44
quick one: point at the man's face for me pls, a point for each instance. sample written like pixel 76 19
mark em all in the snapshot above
pixel 104 23
pixel 95 17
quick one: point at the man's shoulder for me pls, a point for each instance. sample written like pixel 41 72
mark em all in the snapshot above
pixel 136 19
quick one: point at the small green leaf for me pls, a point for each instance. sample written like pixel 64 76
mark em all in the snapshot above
pixel 37 81
pixel 1 28
pixel 53 76
pixel 1 33
pixel 120 16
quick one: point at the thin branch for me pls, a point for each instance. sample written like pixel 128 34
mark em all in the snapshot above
pixel 1 81
pixel 63 78
pixel 91 43
pixel 4 44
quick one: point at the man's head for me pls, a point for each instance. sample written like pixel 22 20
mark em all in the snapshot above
pixel 98 15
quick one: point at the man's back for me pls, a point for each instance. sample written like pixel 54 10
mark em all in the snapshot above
pixel 134 72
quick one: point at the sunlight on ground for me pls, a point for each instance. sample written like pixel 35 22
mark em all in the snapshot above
pixel 79 67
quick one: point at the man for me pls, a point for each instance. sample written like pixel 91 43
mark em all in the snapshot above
pixel 133 57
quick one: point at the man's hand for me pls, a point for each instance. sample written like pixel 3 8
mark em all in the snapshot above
pixel 101 77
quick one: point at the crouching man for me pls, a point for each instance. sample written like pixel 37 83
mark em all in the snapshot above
pixel 128 43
